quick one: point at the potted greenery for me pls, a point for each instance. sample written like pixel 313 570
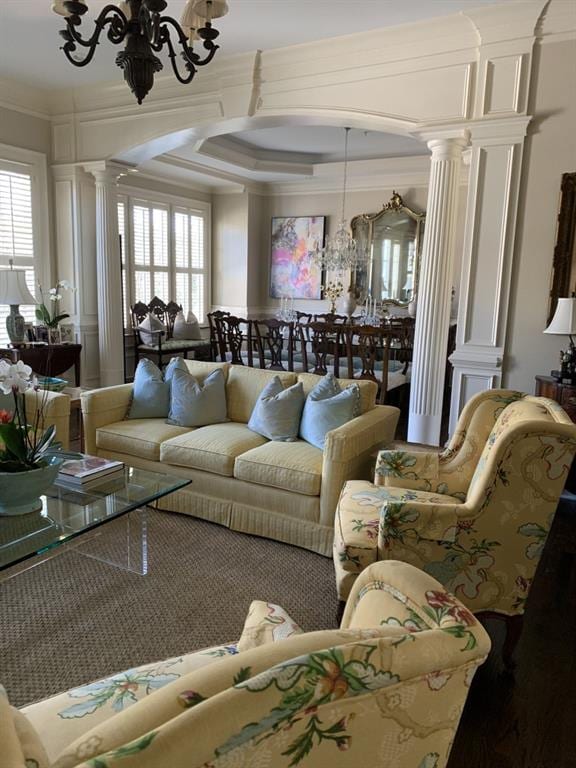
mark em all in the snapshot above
pixel 29 457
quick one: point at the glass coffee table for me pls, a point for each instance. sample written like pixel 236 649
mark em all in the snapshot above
pixel 78 514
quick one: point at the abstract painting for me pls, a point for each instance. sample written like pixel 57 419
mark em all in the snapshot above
pixel 292 273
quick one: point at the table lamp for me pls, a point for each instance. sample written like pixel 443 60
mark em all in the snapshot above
pixel 564 324
pixel 14 291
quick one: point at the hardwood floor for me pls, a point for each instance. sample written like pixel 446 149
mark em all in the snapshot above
pixel 528 719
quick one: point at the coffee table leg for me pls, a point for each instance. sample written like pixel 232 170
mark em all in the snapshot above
pixel 127 550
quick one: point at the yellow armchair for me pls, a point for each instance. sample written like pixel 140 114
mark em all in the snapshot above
pixel 392 680
pixel 475 516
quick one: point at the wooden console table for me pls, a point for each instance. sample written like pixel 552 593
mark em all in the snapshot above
pixel 48 360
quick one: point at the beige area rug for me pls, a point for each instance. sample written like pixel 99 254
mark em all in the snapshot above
pixel 73 619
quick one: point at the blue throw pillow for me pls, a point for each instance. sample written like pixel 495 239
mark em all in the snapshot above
pixel 196 405
pixel 151 390
pixel 328 407
pixel 277 412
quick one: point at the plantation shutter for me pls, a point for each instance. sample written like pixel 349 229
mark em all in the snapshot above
pixel 16 236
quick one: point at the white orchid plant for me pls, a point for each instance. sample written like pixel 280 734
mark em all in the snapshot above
pixel 52 319
pixel 23 445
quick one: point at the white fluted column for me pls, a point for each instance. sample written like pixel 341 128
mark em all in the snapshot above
pixel 109 274
pixel 434 288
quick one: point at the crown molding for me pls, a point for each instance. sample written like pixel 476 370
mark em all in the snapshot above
pixel 557 23
pixel 23 98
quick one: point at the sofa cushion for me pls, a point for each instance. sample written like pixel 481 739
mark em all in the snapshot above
pixel 186 328
pixel 294 467
pixel 200 369
pixel 137 437
pixel 193 404
pixel 277 412
pixel 244 387
pixel 211 448
pixel 151 390
pixel 328 407
pixel 368 389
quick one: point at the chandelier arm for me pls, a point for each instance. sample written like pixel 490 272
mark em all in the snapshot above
pixel 212 48
pixel 184 79
pixel 103 19
pixel 69 47
pixel 188 54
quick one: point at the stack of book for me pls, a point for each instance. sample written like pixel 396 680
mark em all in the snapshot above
pixel 79 473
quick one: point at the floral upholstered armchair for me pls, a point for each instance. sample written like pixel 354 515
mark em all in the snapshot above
pixel 387 688
pixel 475 516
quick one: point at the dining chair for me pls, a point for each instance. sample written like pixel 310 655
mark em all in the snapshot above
pixel 326 343
pixel 274 344
pixel 235 340
pixel 367 355
pixel 215 349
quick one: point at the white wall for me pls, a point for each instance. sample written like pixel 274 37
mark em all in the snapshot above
pixel 230 251
pixel 26 131
pixel 550 151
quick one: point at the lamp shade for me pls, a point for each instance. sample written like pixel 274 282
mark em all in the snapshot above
pixel 211 9
pixel 564 320
pixel 13 288
pixel 59 7
pixel 191 21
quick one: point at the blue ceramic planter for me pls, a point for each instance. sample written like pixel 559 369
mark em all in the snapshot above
pixel 20 491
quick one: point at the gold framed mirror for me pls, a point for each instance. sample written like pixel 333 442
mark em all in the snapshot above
pixel 564 263
pixel 392 238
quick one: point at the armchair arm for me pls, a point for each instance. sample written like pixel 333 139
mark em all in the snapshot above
pixel 397 594
pixel 348 453
pixel 54 408
pixel 404 469
pixel 101 407
pixel 404 518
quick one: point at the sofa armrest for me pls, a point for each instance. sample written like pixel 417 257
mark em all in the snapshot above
pixel 54 410
pixel 406 469
pixel 101 407
pixel 349 454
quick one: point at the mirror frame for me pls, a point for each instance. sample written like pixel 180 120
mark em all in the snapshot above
pixel 395 204
pixel 564 250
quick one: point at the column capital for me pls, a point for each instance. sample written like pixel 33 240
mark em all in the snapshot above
pixel 447 147
pixel 105 172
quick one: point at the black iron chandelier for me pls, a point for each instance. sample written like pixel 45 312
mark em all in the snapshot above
pixel 146 31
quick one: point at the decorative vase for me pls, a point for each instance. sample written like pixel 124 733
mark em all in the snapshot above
pixel 348 303
pixel 20 491
pixel 412 306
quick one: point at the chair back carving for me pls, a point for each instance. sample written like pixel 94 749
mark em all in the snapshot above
pixel 367 353
pixel 172 309
pixel 216 350
pixel 234 336
pixel 401 330
pixel 324 342
pixel 330 317
pixel 273 339
pixel 139 312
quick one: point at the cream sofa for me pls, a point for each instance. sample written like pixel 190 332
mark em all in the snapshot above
pixel 283 491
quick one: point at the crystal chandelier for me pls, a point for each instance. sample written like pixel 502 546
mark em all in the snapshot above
pixel 341 252
pixel 141 25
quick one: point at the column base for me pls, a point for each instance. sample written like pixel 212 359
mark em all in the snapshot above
pixel 423 428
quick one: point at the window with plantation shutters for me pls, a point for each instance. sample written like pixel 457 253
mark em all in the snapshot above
pixel 16 235
pixel 164 254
